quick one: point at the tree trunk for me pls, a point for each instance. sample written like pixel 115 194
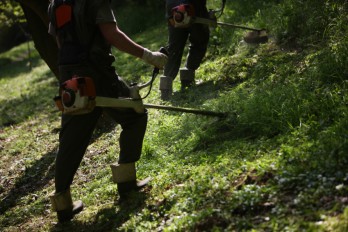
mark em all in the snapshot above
pixel 35 12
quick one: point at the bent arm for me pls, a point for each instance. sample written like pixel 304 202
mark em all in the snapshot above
pixel 120 40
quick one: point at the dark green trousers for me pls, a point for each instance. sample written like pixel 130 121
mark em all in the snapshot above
pixel 75 136
pixel 198 37
pixel 76 132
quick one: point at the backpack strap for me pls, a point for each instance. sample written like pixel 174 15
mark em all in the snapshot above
pixel 61 12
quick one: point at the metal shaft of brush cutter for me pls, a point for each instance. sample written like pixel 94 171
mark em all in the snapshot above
pixel 214 23
pixel 254 36
pixel 186 110
pixel 138 106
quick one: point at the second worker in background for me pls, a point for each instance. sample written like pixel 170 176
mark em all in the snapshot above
pixel 178 35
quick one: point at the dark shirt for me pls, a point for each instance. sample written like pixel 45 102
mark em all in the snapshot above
pixel 87 42
pixel 199 5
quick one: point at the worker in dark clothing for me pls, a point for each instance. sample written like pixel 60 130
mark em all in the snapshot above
pixel 198 37
pixel 85 30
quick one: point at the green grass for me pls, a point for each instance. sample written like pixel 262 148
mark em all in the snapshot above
pixel 277 162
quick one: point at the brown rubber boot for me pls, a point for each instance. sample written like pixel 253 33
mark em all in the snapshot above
pixel 124 175
pixel 63 205
pixel 166 87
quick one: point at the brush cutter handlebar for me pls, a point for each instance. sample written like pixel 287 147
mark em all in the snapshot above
pixel 214 23
pixel 78 96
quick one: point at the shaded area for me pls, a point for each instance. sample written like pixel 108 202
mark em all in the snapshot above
pixel 19 63
pixel 27 105
pixel 34 178
pixel 189 97
pixel 11 36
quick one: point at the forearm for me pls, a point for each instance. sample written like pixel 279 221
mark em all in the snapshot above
pixel 122 42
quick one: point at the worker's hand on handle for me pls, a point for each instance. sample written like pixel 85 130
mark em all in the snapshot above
pixel 157 59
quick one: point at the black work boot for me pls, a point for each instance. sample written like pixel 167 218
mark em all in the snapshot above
pixel 185 84
pixel 131 186
pixel 124 175
pixel 63 205
pixel 187 78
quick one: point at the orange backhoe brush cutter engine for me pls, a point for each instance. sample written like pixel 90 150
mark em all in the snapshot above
pixel 77 95
pixel 183 15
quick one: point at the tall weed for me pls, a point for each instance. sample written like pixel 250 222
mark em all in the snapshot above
pixel 298 23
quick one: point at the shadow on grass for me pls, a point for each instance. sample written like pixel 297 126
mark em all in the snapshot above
pixel 188 97
pixel 33 179
pixel 4 61
pixel 17 110
pixel 30 101
pixel 12 68
pixel 108 219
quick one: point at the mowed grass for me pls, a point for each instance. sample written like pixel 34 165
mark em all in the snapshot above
pixel 277 162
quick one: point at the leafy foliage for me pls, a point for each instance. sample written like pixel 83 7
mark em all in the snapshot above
pixel 10 13
pixel 12 25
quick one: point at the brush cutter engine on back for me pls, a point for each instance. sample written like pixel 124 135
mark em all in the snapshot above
pixel 184 16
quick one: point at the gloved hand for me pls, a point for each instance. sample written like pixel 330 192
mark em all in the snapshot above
pixel 157 59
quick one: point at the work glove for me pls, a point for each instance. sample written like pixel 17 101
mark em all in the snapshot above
pixel 157 59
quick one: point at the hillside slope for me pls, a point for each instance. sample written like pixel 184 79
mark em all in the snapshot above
pixel 277 162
